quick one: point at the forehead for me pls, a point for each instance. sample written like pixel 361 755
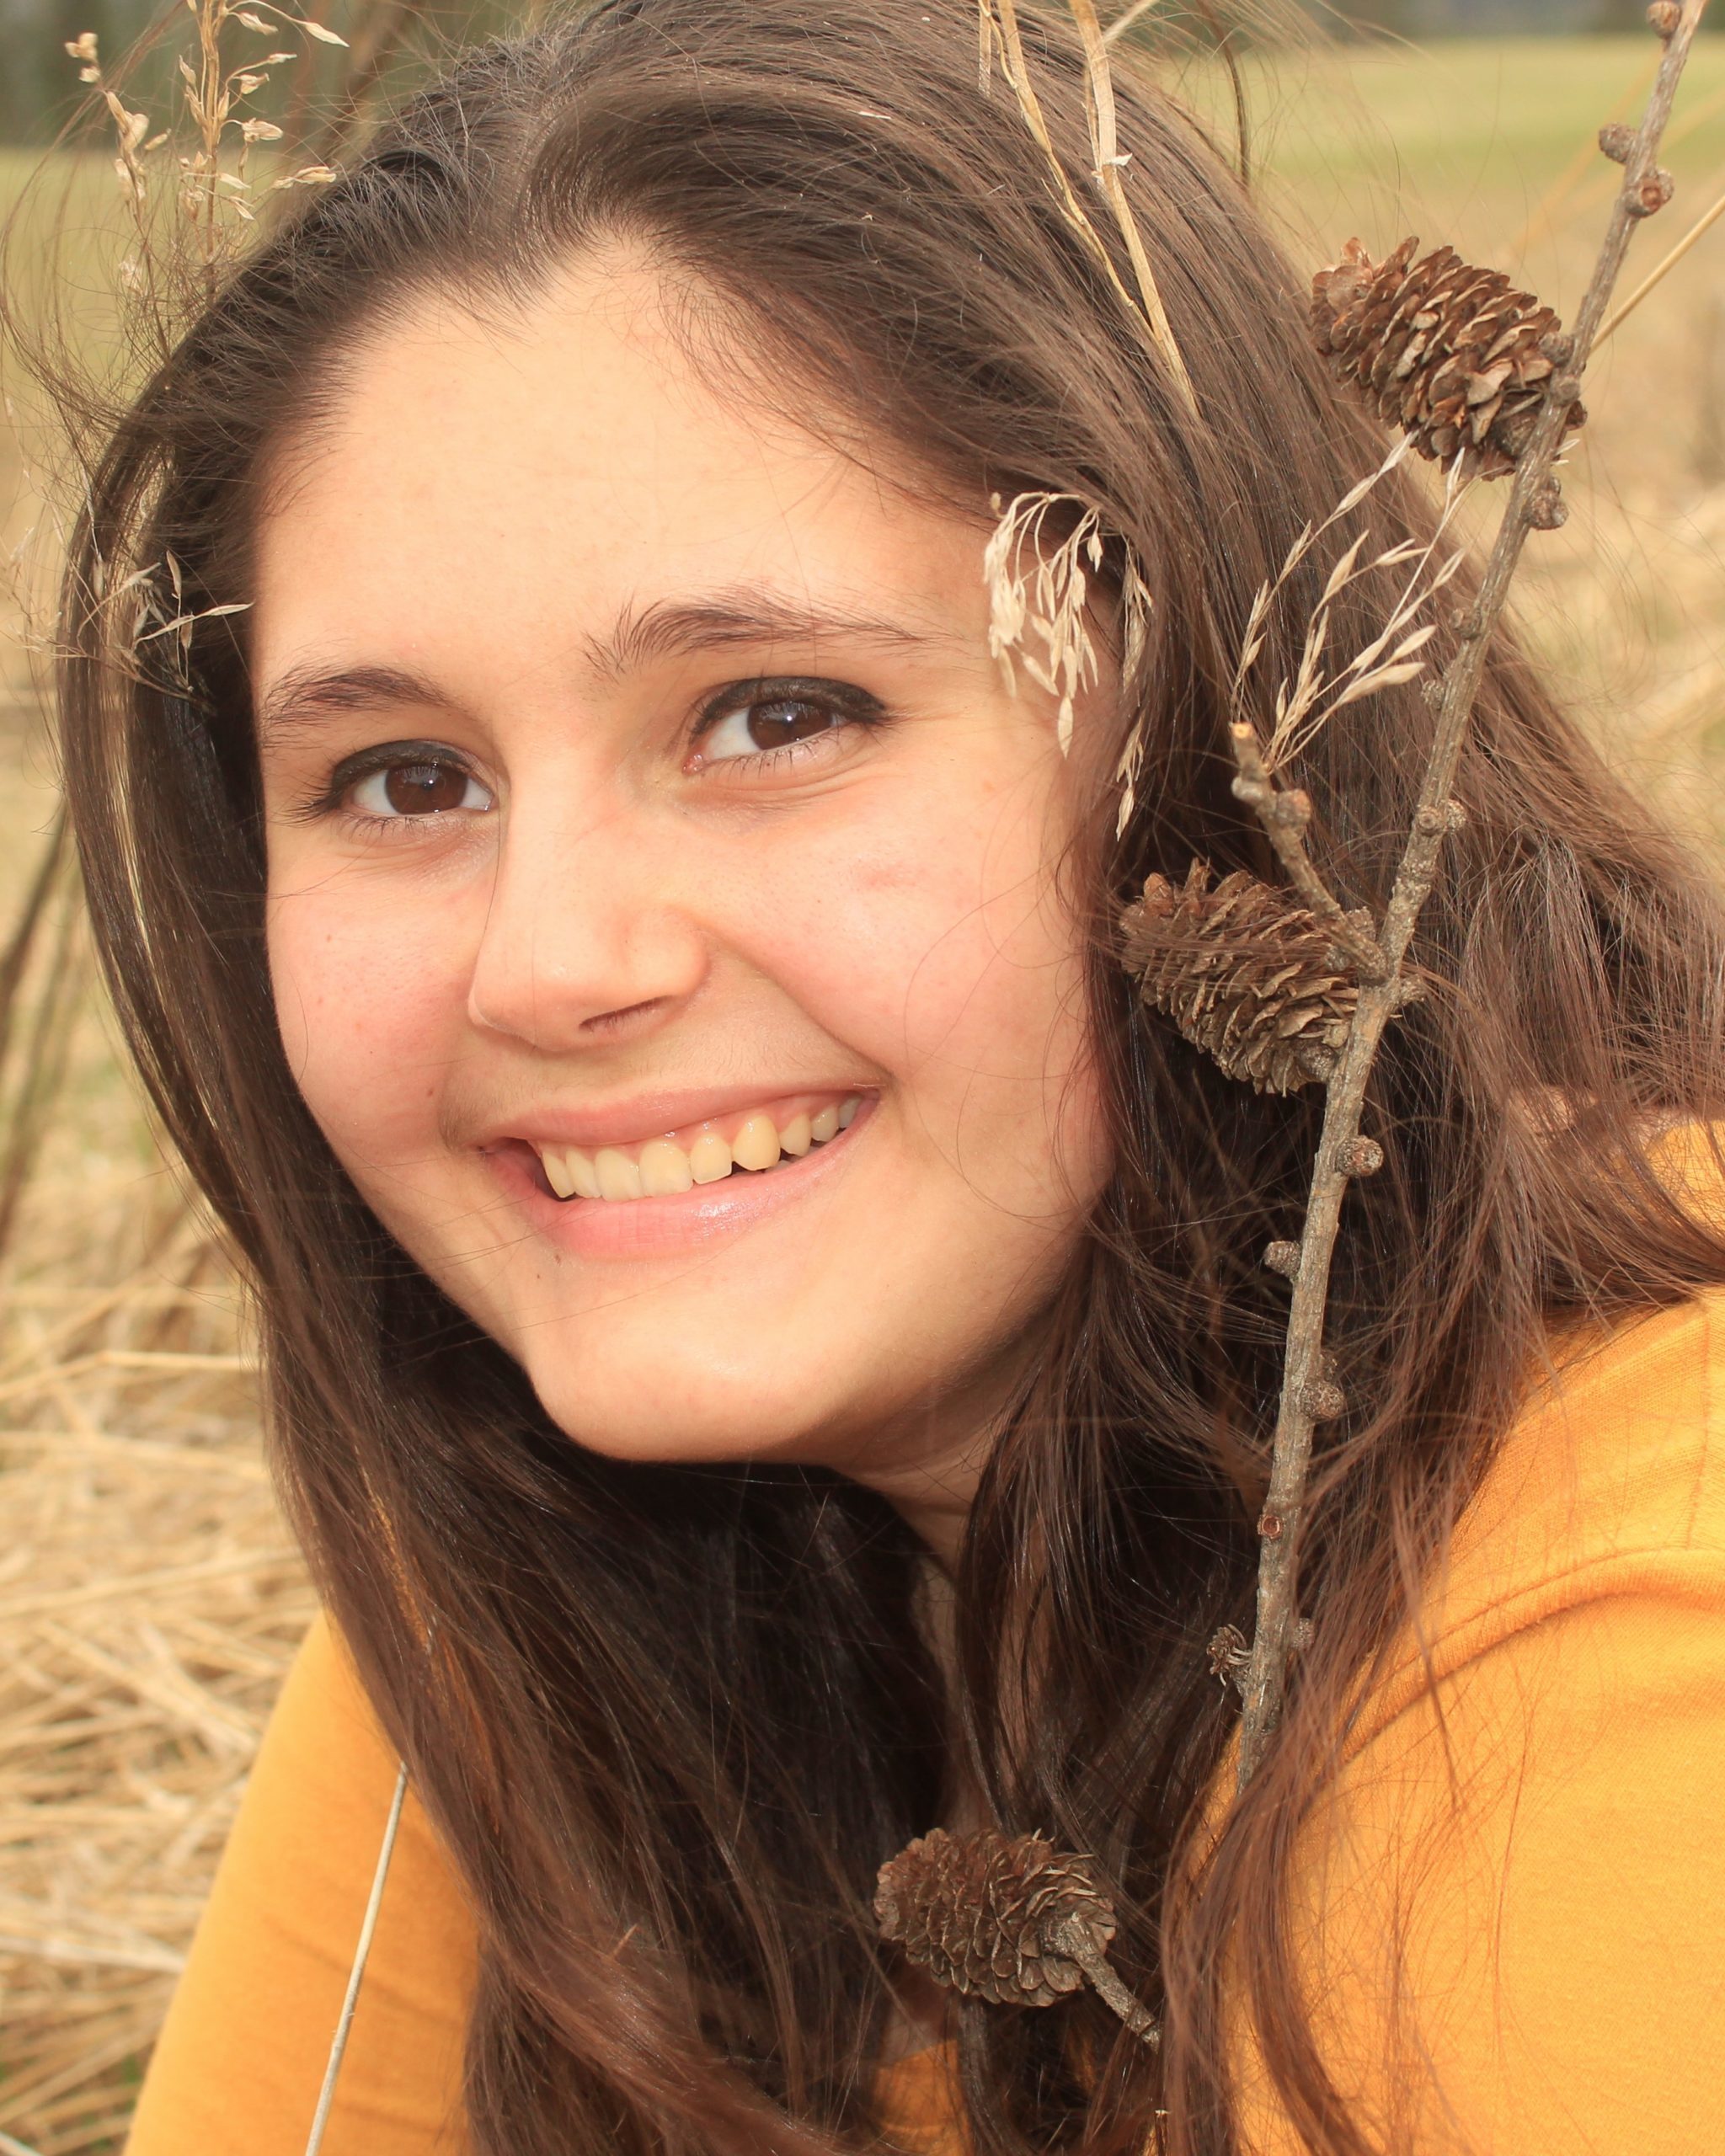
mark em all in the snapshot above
pixel 534 466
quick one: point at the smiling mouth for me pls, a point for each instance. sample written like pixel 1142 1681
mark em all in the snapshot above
pixel 752 1140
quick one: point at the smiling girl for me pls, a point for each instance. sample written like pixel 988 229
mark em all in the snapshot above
pixel 767 1346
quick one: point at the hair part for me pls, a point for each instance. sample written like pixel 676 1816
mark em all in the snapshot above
pixel 669 1720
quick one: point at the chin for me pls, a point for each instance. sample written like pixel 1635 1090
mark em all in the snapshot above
pixel 700 1413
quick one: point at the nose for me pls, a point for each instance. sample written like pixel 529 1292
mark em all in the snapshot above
pixel 588 932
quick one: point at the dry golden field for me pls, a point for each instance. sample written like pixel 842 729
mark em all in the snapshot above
pixel 149 1597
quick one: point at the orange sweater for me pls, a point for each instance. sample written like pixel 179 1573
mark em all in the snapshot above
pixel 1542 1845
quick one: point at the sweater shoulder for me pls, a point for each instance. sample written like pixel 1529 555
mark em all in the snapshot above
pixel 1611 1482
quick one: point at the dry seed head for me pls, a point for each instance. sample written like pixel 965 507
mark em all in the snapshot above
pixel 1247 973
pixel 82 48
pixel 1451 354
pixel 1037 596
pixel 1229 1654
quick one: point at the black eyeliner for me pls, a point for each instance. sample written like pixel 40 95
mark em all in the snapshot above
pixel 858 704
pixel 361 765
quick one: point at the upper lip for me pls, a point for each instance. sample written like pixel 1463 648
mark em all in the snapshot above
pixel 591 1124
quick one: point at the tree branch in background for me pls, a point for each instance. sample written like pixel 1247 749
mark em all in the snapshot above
pixel 1310 1392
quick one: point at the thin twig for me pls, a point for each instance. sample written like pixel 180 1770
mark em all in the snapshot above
pixel 1284 812
pixel 1306 1385
pixel 326 2095
pixel 1073 1938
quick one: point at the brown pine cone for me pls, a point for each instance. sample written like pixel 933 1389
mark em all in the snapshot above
pixel 1247 973
pixel 981 1913
pixel 1450 354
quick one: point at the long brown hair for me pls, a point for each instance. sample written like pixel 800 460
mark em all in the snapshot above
pixel 669 1720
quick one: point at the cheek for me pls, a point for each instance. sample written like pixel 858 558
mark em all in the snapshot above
pixel 369 999
pixel 937 944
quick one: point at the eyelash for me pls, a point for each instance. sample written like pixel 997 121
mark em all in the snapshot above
pixel 851 705
pixel 332 799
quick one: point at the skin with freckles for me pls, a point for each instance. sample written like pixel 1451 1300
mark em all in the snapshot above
pixel 632 757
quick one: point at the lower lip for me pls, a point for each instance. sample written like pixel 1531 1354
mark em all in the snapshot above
pixel 683 1220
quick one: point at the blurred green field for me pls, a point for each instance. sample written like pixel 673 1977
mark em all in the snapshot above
pixel 148 1601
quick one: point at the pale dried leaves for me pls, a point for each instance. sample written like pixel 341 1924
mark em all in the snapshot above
pixel 1038 595
pixel 152 615
pixel 1394 653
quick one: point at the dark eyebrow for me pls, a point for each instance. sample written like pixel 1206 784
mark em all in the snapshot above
pixel 668 629
pixel 664 629
pixel 306 694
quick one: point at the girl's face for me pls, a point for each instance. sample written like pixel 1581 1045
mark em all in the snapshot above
pixel 662 918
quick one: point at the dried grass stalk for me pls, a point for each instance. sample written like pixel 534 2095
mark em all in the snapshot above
pixel 150 1601
pixel 1000 38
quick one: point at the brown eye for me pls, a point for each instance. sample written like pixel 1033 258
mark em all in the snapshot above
pixel 422 789
pixel 781 720
pixel 418 785
pixel 756 719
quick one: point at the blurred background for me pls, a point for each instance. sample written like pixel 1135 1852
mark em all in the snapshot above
pixel 149 1598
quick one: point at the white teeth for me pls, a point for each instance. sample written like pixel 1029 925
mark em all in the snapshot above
pixel 665 1168
pixel 709 1158
pixel 756 1145
pixel 618 1176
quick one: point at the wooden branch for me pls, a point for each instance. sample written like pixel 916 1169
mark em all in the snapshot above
pixel 1309 1392
pixel 1284 812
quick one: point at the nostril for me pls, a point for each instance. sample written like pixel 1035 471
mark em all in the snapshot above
pixel 619 1020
